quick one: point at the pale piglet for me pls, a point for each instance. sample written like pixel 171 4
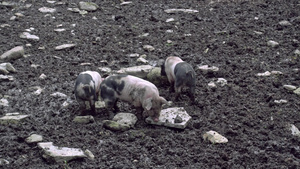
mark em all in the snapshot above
pixel 141 93
pixel 180 74
pixel 87 88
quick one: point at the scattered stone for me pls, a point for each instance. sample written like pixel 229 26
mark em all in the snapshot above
pixel 222 81
pixel 3 162
pixel 214 137
pixel 290 87
pixel 99 104
pixel 155 77
pixel 106 70
pixel 181 10
pixel 38 91
pixel 60 30
pixel 133 55
pixel 14 53
pixel 84 119
pixel 258 33
pixel 126 119
pixel 167 118
pixel 88 6
pixel 206 69
pixel 85 64
pixel 47 10
pixel 272 43
pixel 27 35
pixel 142 60
pixel 12 118
pixel 51 2
pixel 4 25
pixel 89 154
pixel 6 77
pixel 297 52
pixel 212 85
pixel 34 138
pixel 170 20
pixel 58 94
pixel 42 76
pixel 126 3
pixel 285 23
pixel 4 102
pixel 139 71
pixel 297 91
pixel 295 130
pixel 280 101
pixel 60 154
pixel 267 73
pixel 148 48
pixel 65 46
pixel 115 126
pixel 274 72
pixel 76 10
pixel 6 68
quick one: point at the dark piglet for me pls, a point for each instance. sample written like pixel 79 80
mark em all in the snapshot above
pixel 141 93
pixel 180 74
pixel 87 88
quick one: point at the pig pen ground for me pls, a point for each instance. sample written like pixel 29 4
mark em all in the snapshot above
pixel 231 35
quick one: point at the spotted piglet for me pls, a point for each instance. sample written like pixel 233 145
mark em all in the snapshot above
pixel 87 88
pixel 180 74
pixel 141 93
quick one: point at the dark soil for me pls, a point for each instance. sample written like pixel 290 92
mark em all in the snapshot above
pixel 221 34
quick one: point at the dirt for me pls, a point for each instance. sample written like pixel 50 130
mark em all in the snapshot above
pixel 221 34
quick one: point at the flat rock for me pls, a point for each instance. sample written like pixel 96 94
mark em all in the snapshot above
pixel 6 78
pixel 139 71
pixel 297 91
pixel 285 23
pixel 34 138
pixel 4 102
pixel 88 6
pixel 272 43
pixel 128 119
pixel 207 69
pixel 148 48
pixel 290 87
pixel 60 154
pixel 14 53
pixel 181 10
pixel 155 77
pixel 65 46
pixel 84 119
pixel 47 10
pixel 175 117
pixel 214 137
pixel 58 94
pixel 267 73
pixel 6 68
pixel 3 162
pixel 115 126
pixel 222 81
pixel 12 118
pixel 99 104
pixel 295 131
pixel 27 35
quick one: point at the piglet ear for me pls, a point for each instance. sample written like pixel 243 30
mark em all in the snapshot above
pixel 148 103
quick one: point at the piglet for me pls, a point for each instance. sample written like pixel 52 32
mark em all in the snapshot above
pixel 142 94
pixel 87 88
pixel 180 74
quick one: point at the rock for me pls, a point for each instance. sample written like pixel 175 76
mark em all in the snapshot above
pixel 88 6
pixel 295 130
pixel 181 10
pixel 128 119
pixel 99 104
pixel 148 48
pixel 115 126
pixel 274 72
pixel 267 73
pixel 297 52
pixel 34 138
pixel 272 43
pixel 58 94
pixel 60 30
pixel 214 137
pixel 290 87
pixel 5 78
pixel 139 71
pixel 4 102
pixel 297 91
pixel 168 116
pixel 47 10
pixel 105 70
pixel 6 68
pixel 64 46
pixel 212 85
pixel 170 20
pixel 3 162
pixel 222 81
pixel 133 55
pixel 14 53
pixel 84 119
pixel 60 154
pixel 38 91
pixel 89 154
pixel 155 77
pixel 258 32
pixel 280 101
pixel 42 76
pixel 285 23
pixel 126 3
pixel 27 35
pixel 142 60
pixel 12 118
pixel 206 69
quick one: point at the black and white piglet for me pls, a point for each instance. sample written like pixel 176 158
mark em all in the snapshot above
pixel 142 94
pixel 180 74
pixel 87 88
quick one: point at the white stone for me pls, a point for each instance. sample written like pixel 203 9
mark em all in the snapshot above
pixel 38 91
pixel 297 52
pixel 3 162
pixel 297 91
pixel 6 68
pixel 295 130
pixel 58 94
pixel 181 10
pixel 212 84
pixel 142 60
pixel 285 23
pixel 105 69
pixel 47 10
pixel 267 73
pixel 14 119
pixel 42 76
pixel 4 102
pixel 133 55
pixel 34 138
pixel 175 117
pixel 88 6
pixel 222 81
pixel 139 71
pixel 128 119
pixel 84 119
pixel 99 104
pixel 169 31
pixel 214 137
pixel 170 20
pixel 64 46
pixel 60 154
pixel 14 53
pixel 126 3
pixel 272 43
pixel 6 77
pixel 89 154
pixel 148 48
pixel 60 30
pixel 290 87
pixel 27 35
pixel 258 32
pixel 205 68
pixel 275 72
pixel 280 101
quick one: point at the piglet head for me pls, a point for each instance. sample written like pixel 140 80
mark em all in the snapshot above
pixel 153 106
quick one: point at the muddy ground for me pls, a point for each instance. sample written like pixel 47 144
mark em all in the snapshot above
pixel 221 34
